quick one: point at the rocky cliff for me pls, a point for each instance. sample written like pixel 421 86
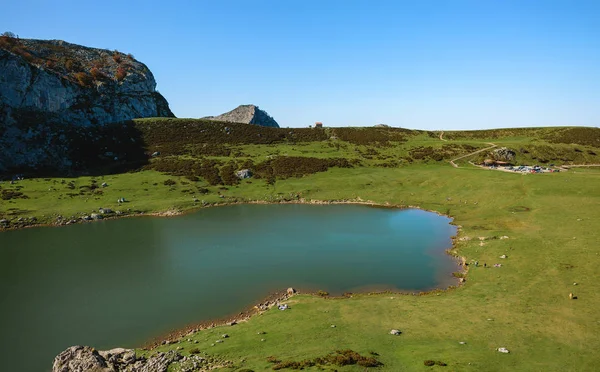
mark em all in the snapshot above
pixel 248 114
pixel 51 88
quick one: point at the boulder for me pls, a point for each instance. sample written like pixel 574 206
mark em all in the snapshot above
pixel 395 332
pixel 80 359
pixel 504 154
pixel 291 291
pixel 87 359
pixel 244 173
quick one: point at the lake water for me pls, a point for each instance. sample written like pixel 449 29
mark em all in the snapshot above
pixel 123 282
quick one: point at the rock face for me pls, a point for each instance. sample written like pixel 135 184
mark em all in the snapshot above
pixel 248 114
pixel 50 86
pixel 504 154
pixel 87 359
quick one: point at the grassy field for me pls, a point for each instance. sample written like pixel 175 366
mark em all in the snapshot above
pixel 551 221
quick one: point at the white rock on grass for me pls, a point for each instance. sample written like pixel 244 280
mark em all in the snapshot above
pixel 503 350
pixel 395 332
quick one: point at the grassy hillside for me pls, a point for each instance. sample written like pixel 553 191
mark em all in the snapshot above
pixel 524 305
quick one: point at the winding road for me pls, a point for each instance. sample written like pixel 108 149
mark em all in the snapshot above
pixel 472 153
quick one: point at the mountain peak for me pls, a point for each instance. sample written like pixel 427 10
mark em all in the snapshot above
pixel 248 114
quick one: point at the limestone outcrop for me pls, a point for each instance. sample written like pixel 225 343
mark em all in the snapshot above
pixel 248 114
pixel 49 87
pixel 504 154
pixel 87 359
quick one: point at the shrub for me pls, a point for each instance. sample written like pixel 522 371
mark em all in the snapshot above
pixel 272 359
pixel 117 56
pixel 296 166
pixel 210 172
pixel 72 65
pixel 83 79
pixel 6 42
pixel 97 74
pixel 169 182
pixel 322 293
pixel 579 136
pixel 439 363
pixel 371 136
pixel 429 363
pixel 227 174
pixel 10 194
pixel 210 149
pixel 195 351
pixel 121 73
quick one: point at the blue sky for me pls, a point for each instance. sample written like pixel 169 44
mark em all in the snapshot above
pixel 415 64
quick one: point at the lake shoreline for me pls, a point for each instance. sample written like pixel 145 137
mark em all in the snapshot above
pixel 179 212
pixel 274 298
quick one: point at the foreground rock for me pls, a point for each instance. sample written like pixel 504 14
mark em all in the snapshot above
pixel 248 114
pixel 48 87
pixel 85 358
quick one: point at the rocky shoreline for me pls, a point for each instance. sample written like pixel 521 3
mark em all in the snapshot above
pixel 85 358
pixel 78 358
pixel 174 336
pixel 108 214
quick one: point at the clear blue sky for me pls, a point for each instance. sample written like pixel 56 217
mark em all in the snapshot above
pixel 416 64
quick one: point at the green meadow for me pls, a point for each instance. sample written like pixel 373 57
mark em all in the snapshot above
pixel 550 219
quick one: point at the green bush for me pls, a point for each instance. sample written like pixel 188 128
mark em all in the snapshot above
pixel 283 167
pixel 272 359
pixel 227 174
pixel 371 136
pixel 338 358
pixel 11 194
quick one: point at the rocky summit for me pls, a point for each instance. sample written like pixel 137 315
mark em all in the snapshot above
pixel 48 87
pixel 248 114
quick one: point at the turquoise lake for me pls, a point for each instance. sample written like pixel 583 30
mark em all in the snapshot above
pixel 123 282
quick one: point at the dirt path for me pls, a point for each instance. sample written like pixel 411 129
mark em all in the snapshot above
pixel 472 153
pixel 442 136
